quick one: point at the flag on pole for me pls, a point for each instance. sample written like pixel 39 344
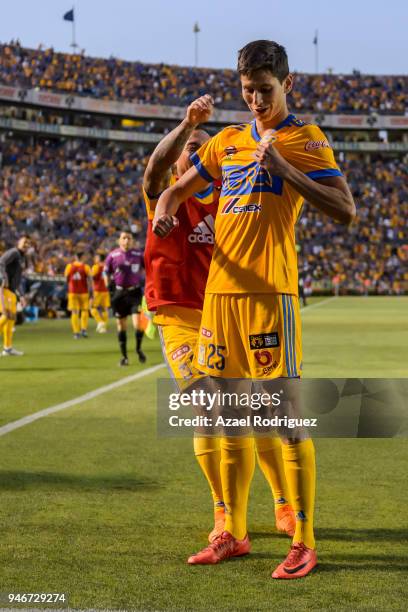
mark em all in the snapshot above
pixel 316 40
pixel 69 15
pixel 196 28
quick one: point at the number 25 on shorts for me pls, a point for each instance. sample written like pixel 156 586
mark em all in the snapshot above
pixel 215 359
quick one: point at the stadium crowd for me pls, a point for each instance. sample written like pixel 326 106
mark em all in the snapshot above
pixel 371 255
pixel 66 194
pixel 70 195
pixel 178 85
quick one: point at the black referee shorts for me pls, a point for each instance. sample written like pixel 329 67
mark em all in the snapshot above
pixel 126 302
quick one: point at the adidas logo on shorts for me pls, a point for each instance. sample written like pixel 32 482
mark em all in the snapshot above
pixel 203 232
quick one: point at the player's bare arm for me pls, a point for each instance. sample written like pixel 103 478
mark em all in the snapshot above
pixel 167 152
pixel 22 299
pixel 331 195
pixel 107 278
pixel 164 220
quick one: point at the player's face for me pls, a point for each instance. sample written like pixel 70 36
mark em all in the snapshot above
pixel 265 95
pixel 23 244
pixel 197 138
pixel 125 241
pixel 97 259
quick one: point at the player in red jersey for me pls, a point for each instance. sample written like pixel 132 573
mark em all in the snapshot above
pixel 176 269
pixel 101 299
pixel 78 275
pixel 176 275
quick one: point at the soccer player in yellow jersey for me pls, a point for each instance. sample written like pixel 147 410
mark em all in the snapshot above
pixel 251 304
pixel 101 300
pixel 178 304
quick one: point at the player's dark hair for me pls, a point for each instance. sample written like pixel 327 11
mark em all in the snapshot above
pixel 200 129
pixel 263 55
pixel 79 254
pixel 21 236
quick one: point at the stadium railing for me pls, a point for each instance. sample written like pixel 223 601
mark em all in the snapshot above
pixel 37 97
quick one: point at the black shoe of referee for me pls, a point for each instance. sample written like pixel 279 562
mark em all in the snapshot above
pixel 142 356
pixel 124 361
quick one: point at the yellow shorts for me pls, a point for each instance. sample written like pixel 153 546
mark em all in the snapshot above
pixel 178 331
pixel 10 302
pixel 250 336
pixel 78 301
pixel 101 299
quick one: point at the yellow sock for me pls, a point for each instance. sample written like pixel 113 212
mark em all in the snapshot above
pixel 208 455
pixel 3 321
pixel 105 315
pixel 96 315
pixel 269 454
pixel 8 333
pixel 300 469
pixel 84 319
pixel 76 328
pixel 237 469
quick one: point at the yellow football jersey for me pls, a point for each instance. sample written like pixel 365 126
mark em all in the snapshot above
pixel 255 249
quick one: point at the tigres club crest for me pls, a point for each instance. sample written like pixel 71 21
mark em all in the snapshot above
pixel 257 341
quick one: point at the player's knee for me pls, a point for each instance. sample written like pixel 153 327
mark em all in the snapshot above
pixel 121 324
pixel 236 443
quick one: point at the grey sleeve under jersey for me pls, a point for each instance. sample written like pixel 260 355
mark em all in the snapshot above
pixel 10 257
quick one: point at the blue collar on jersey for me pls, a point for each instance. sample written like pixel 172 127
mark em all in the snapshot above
pixel 254 131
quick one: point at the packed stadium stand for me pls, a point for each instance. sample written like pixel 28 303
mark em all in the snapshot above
pixel 71 171
pixel 179 85
pixel 372 255
pixel 68 195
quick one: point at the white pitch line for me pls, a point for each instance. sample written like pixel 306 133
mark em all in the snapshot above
pixel 5 429
pixel 311 306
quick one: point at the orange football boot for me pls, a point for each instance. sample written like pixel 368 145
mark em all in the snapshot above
pixel 285 520
pixel 219 524
pixel 224 547
pixel 299 562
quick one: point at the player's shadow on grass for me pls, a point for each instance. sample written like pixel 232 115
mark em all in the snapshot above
pixel 386 563
pixel 362 535
pixel 89 366
pixel 16 481
pixel 354 562
pixel 346 534
pixel 28 368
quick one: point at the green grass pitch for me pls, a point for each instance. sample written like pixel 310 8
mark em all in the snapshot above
pixel 94 505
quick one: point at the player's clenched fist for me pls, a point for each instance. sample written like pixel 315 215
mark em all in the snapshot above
pixel 269 157
pixel 200 110
pixel 163 225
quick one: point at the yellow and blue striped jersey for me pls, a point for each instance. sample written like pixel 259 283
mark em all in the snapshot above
pixel 255 249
